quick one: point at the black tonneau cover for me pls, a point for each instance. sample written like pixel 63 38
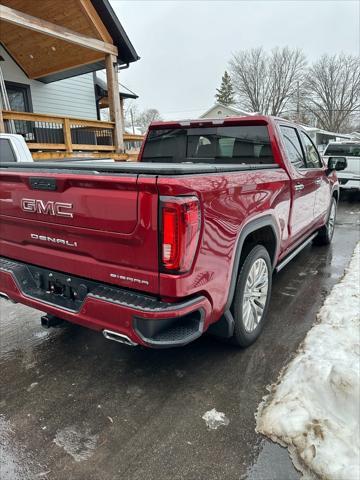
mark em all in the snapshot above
pixel 133 168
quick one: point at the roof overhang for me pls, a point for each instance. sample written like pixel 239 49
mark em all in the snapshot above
pixel 101 92
pixel 127 53
pixel 50 42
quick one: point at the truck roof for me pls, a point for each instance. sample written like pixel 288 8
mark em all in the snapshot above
pixel 199 122
pixel 228 121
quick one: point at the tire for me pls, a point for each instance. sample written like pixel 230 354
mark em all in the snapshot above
pixel 250 315
pixel 326 233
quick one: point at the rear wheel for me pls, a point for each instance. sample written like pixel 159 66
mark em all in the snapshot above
pixel 326 233
pixel 252 294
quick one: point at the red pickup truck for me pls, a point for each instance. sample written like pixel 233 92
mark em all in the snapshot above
pixel 184 241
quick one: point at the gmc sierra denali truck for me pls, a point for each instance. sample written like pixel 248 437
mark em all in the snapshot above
pixel 185 241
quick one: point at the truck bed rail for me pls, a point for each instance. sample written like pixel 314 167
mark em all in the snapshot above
pixel 136 168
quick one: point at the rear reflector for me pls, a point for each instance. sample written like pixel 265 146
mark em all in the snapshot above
pixel 180 230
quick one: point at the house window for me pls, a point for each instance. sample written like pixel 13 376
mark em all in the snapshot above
pixel 19 97
pixel 20 101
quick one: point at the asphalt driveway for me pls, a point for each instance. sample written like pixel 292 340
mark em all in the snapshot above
pixel 75 406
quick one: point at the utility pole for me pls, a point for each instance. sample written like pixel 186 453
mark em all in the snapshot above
pixel 132 121
pixel 298 103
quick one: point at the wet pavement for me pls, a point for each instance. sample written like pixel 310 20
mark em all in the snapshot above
pixel 76 406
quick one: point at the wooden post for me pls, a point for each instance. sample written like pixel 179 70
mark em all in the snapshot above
pixel 114 101
pixel 67 135
pixel 2 125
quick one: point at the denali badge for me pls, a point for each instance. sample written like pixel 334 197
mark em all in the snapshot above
pixel 55 240
pixel 57 209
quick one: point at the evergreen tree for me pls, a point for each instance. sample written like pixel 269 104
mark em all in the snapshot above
pixel 225 94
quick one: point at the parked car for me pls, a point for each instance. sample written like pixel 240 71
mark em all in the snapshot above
pixel 13 148
pixel 349 179
pixel 186 241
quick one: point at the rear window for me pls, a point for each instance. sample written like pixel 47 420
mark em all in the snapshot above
pixel 6 152
pixel 341 149
pixel 224 145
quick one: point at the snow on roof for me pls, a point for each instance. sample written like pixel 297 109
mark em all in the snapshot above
pixel 325 132
pixel 355 135
pixel 137 130
pixel 124 91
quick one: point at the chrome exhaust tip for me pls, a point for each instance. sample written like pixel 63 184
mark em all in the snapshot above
pixel 118 337
pixel 5 296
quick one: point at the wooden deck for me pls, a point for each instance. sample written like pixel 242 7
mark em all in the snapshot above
pixel 53 136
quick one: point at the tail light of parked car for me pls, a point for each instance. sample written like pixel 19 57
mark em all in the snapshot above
pixel 179 232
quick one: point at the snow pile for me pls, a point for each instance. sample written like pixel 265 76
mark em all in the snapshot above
pixel 314 408
pixel 215 419
pixel 78 443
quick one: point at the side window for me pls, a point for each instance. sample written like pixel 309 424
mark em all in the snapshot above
pixel 6 152
pixel 312 156
pixel 293 147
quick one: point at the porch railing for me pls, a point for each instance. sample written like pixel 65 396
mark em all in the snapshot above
pixel 45 133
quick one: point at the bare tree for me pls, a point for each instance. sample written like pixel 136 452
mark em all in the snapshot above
pixel 333 91
pixel 131 113
pixel 144 119
pixel 267 83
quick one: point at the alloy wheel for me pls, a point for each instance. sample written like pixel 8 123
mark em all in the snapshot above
pixel 255 294
pixel 331 219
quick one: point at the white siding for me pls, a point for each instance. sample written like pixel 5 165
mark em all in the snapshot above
pixel 221 111
pixel 73 97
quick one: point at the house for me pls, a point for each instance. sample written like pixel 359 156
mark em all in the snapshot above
pixel 102 98
pixel 48 56
pixel 221 111
pixel 322 137
pixel 80 96
pixel 355 136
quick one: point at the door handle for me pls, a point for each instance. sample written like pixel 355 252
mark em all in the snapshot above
pixel 299 186
pixel 318 181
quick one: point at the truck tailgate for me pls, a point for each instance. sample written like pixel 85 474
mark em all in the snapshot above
pixel 102 227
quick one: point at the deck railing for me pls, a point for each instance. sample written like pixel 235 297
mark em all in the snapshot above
pixel 53 135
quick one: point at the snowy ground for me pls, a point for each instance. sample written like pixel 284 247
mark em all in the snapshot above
pixel 314 408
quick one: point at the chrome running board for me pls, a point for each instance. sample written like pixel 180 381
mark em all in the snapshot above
pixel 293 254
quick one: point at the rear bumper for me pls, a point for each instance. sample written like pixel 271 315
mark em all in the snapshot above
pixel 142 318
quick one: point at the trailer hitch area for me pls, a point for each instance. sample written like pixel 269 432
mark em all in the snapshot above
pixel 48 321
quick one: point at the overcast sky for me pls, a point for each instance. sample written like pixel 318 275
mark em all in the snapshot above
pixel 185 45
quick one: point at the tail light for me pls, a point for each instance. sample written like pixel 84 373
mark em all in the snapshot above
pixel 179 233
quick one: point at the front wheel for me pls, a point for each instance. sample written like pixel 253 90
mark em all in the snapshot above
pixel 326 233
pixel 252 294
